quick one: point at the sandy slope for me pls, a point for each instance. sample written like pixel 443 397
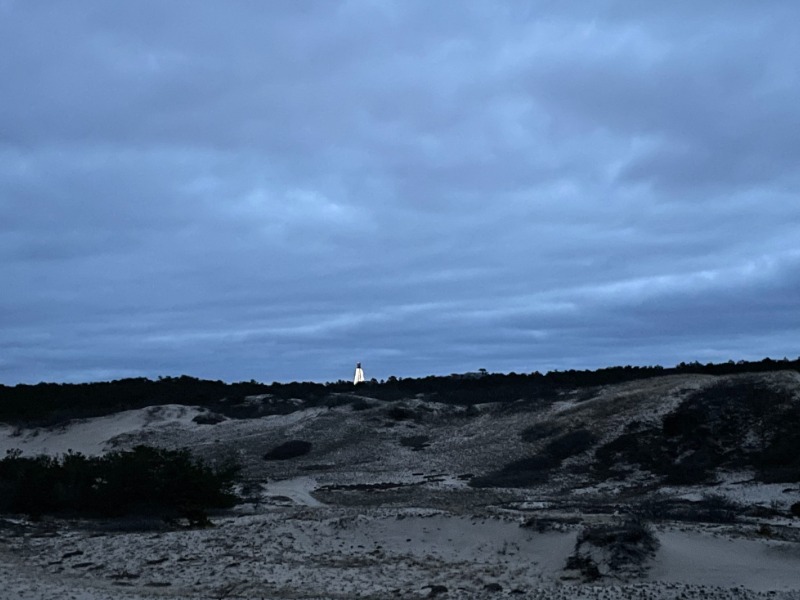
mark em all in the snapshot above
pixel 705 559
pixel 333 553
pixel 96 436
pixel 365 515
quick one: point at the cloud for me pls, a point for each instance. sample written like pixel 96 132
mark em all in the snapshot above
pixel 277 191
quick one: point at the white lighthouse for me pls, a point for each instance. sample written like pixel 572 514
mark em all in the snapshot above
pixel 359 376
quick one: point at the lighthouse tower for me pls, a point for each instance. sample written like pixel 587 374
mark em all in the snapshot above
pixel 359 376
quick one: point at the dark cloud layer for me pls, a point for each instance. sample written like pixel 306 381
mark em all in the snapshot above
pixel 277 190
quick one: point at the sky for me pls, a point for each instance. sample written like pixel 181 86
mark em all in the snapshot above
pixel 276 190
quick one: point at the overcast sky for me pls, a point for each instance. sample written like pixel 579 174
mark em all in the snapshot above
pixel 276 190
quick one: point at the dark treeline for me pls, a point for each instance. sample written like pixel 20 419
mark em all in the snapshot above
pixel 51 403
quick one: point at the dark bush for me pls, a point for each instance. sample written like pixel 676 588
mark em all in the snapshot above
pixel 740 422
pixel 435 590
pixel 544 524
pixel 287 450
pixel 415 442
pixel 622 547
pixel 794 509
pixel 536 469
pixel 336 400
pixel 539 431
pixel 630 531
pixel 695 468
pixel 400 413
pixel 736 423
pixel 532 463
pixel 718 509
pixel 787 474
pixel 585 565
pixel 712 508
pixel 780 459
pixel 519 473
pixel 642 448
pixel 570 444
pixel 143 481
pixel 208 419
pixel 682 421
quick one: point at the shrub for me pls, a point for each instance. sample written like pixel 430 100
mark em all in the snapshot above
pixel 415 442
pixel 630 531
pixel 780 460
pixel 208 419
pixel 536 469
pixel 622 547
pixel 695 468
pixel 519 473
pixel 144 480
pixel 712 508
pixel 539 431
pixel 544 524
pixel 336 401
pixel 585 565
pixel 734 423
pixel 570 444
pixel 642 448
pixel 400 413
pixel 287 450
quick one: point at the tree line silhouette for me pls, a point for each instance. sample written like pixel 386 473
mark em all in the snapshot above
pixel 52 403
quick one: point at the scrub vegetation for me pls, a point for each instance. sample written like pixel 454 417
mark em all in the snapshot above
pixel 622 549
pixel 735 424
pixel 142 481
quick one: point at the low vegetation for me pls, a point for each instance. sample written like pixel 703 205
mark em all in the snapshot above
pixel 621 549
pixel 416 442
pixel 711 508
pixel 540 431
pixel 570 444
pixel 290 449
pixel 738 423
pixel 536 469
pixel 401 413
pixel 142 481
pixel 524 472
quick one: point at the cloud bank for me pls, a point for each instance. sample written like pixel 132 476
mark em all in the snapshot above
pixel 278 190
